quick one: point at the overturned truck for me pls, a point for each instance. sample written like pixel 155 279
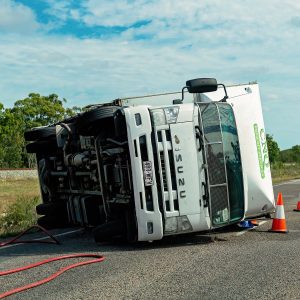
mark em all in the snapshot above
pixel 151 166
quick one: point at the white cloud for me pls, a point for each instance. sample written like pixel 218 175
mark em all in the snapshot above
pixel 190 13
pixel 59 8
pixel 15 17
pixel 232 41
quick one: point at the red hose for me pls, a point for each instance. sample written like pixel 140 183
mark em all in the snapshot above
pixel 98 258
pixel 15 239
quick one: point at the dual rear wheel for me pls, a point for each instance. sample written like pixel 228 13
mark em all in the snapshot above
pixel 54 215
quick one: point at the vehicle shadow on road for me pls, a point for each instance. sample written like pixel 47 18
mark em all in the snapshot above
pixel 83 242
pixel 189 239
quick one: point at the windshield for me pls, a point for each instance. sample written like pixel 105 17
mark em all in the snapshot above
pixel 222 155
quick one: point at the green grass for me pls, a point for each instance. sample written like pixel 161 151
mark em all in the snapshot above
pixel 18 199
pixel 12 189
pixel 283 172
pixel 18 216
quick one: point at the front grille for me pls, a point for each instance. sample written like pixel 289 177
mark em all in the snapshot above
pixel 165 172
pixel 172 169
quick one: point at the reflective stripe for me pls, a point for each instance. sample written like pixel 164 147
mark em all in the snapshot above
pixel 279 213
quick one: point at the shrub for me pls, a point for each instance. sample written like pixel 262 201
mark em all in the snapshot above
pixel 19 216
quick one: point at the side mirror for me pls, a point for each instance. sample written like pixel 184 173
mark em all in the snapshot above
pixel 202 85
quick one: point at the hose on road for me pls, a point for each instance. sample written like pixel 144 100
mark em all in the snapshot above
pixel 97 259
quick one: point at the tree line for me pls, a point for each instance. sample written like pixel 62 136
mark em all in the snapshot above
pixel 285 156
pixel 33 111
pixel 37 110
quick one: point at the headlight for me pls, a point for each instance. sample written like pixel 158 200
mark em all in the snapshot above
pixel 165 115
pixel 158 117
pixel 171 114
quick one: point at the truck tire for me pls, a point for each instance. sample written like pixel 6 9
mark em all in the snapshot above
pixel 105 232
pixel 52 209
pixel 89 122
pixel 51 222
pixel 42 146
pixel 39 133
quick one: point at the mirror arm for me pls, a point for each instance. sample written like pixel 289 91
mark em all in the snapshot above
pixel 182 92
pixel 226 96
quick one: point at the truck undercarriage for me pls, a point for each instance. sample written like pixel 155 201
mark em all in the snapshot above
pixel 84 171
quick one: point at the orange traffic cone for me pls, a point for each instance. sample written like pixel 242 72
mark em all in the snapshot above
pixel 254 222
pixel 298 206
pixel 279 224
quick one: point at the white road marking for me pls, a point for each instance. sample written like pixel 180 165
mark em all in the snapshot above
pixel 44 238
pixel 243 232
pixel 296 181
pixel 60 234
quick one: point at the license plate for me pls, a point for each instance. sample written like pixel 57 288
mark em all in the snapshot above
pixel 148 173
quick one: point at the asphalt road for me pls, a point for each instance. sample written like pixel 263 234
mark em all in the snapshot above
pixel 228 265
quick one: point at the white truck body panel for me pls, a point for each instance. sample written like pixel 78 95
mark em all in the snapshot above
pixel 157 100
pixel 245 99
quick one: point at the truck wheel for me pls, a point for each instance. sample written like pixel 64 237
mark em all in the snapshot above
pixel 53 209
pixel 107 231
pixel 51 222
pixel 91 121
pixel 42 146
pixel 39 133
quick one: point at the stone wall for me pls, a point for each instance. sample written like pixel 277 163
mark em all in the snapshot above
pixel 17 173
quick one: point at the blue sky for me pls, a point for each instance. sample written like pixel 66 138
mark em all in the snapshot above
pixel 95 50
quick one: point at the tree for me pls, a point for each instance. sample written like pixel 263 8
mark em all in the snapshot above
pixel 33 111
pixel 11 139
pixel 273 149
pixel 296 153
pixel 37 110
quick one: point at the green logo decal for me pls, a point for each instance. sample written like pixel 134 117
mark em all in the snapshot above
pixel 262 150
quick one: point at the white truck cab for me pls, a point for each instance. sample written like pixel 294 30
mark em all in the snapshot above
pixel 146 167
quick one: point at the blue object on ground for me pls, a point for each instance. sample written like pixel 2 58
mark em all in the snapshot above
pixel 246 224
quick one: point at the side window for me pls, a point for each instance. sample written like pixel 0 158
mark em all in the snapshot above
pixel 213 141
pixel 233 161
pixel 211 123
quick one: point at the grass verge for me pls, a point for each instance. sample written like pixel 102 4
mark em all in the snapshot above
pixel 12 189
pixel 18 216
pixel 283 172
pixel 18 199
